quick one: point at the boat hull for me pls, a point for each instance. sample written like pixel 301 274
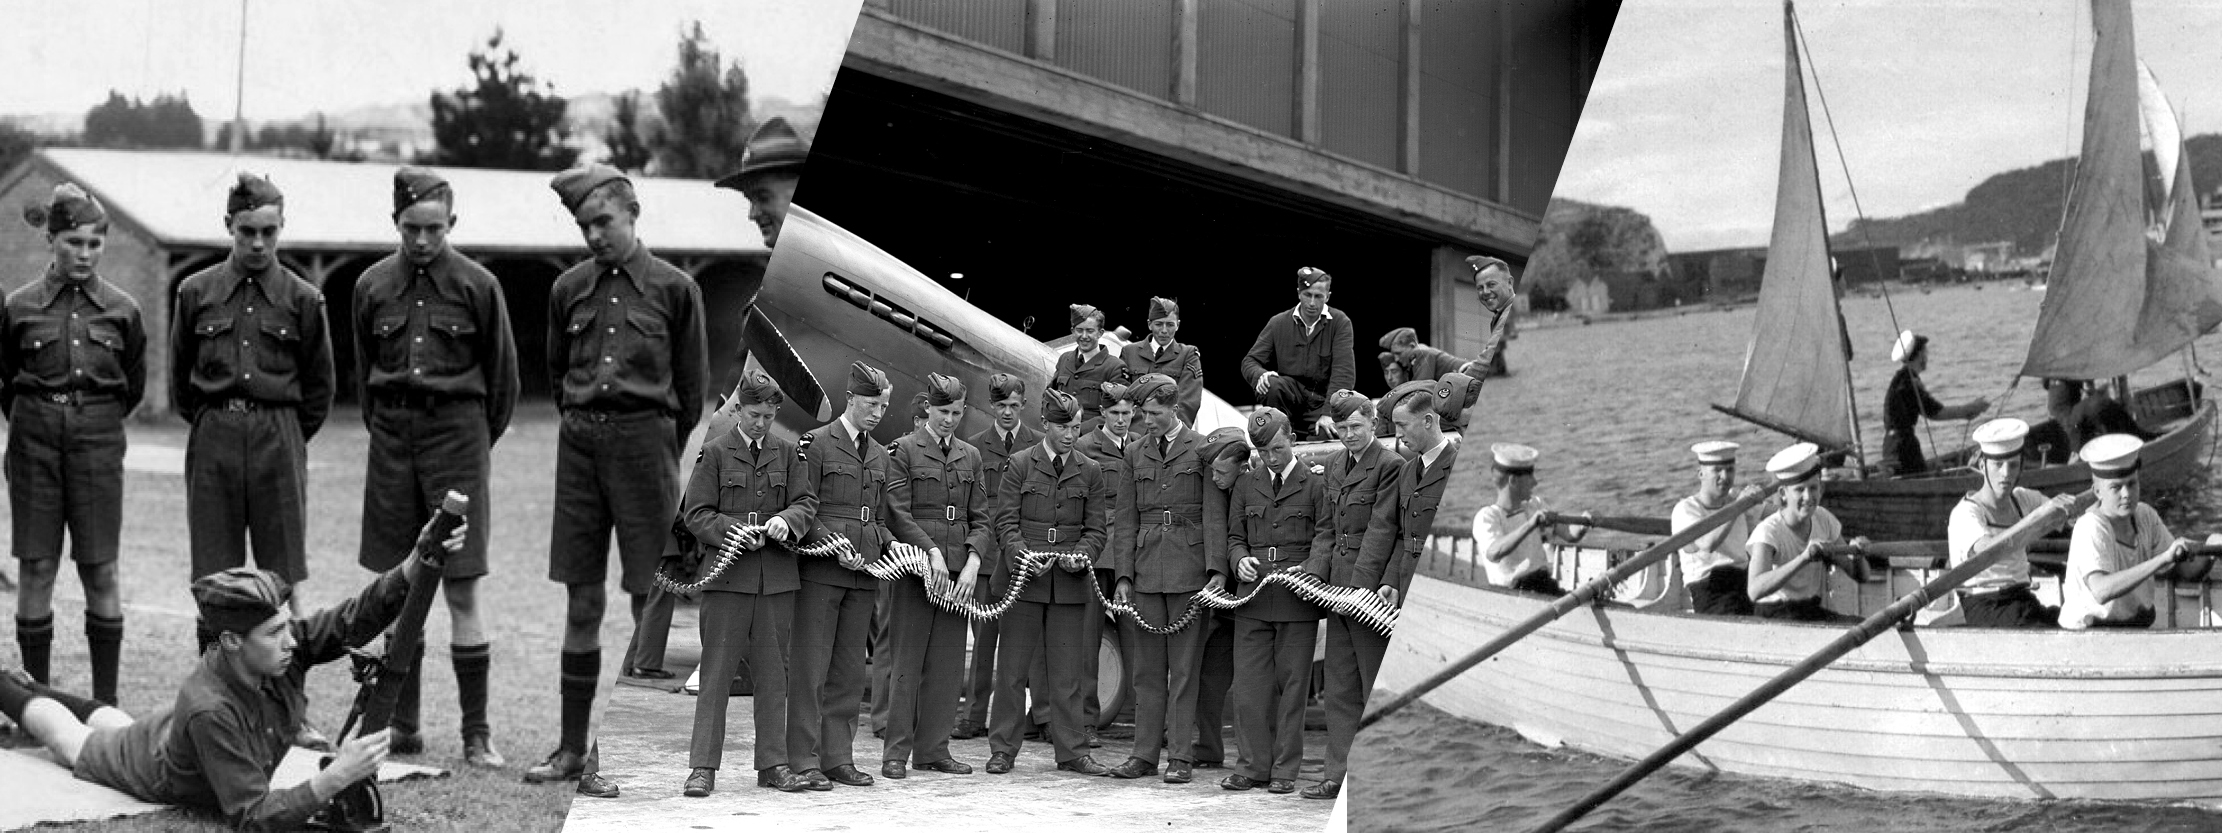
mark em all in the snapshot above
pixel 1917 508
pixel 2120 715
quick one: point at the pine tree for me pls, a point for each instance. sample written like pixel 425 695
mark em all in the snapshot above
pixel 705 108
pixel 506 119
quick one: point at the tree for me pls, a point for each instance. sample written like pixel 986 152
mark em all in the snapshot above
pixel 168 122
pixel 507 119
pixel 705 108
pixel 16 145
pixel 626 138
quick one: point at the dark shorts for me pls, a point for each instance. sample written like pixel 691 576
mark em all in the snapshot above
pixel 1726 591
pixel 126 759
pixel 417 454
pixel 1802 610
pixel 2014 607
pixel 616 474
pixel 1539 582
pixel 246 478
pixel 65 472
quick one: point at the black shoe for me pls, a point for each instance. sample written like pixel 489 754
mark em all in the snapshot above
pixel 849 775
pixel 1093 741
pixel 1084 765
pixel 478 751
pixel 561 765
pixel 593 785
pixel 1280 786
pixel 1178 771
pixel 950 766
pixel 406 743
pixel 701 782
pixel 814 780
pixel 968 730
pixel 1238 781
pixel 1211 764
pixel 999 763
pixel 648 674
pixel 782 779
pixel 1134 767
pixel 1324 789
pixel 894 769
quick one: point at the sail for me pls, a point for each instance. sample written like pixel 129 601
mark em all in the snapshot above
pixel 1796 379
pixel 2161 131
pixel 2118 300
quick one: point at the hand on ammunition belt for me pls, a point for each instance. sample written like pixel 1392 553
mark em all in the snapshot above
pixel 1347 601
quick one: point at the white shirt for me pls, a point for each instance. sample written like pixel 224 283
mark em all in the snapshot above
pixel 1774 531
pixel 1428 457
pixel 2093 548
pixel 1722 547
pixel 854 434
pixel 1969 523
pixel 1493 522
pixel 1326 313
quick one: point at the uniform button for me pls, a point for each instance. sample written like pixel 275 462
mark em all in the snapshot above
pixel 607 360
pixel 250 310
pixel 418 370
pixel 420 302
pixel 613 299
pixel 420 339
pixel 248 376
pixel 612 329
pixel 73 315
pixel 76 343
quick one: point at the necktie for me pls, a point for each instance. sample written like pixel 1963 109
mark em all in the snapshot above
pixel 945 448
pixel 1164 448
pixel 1007 443
pixel 1349 462
pixel 1276 482
pixel 1060 463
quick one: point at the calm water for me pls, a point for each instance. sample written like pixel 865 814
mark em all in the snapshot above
pixel 1614 407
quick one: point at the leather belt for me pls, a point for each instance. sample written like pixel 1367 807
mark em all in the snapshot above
pixel 418 399
pixel 1274 553
pixel 599 415
pixel 949 513
pixel 1166 517
pixel 71 397
pixel 1049 533
pixel 858 513
pixel 238 405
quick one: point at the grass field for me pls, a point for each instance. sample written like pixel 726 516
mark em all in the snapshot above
pixel 523 612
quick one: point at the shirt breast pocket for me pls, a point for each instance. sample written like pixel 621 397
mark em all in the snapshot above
pixel 585 343
pixel 929 485
pixel 280 350
pixel 38 333
pixel 454 341
pixel 1034 501
pixel 218 350
pixel 648 351
pixel 735 492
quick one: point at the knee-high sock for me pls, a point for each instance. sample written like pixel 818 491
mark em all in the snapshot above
pixel 104 640
pixel 36 638
pixel 471 665
pixel 581 673
pixel 14 695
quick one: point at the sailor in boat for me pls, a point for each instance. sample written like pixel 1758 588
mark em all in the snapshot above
pixel 1906 402
pixel 1714 567
pixel 1225 455
pixel 1493 282
pixel 2120 545
pixel 1783 585
pixel 1303 354
pixel 1505 532
pixel 1357 480
pixel 1999 596
pixel 2100 413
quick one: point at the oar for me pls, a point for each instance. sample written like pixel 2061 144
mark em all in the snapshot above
pixel 2019 535
pixel 1566 604
pixel 1619 523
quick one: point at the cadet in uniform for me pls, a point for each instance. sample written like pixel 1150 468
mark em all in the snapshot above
pixel 1999 596
pixel 1163 550
pixel 1493 283
pixel 1008 435
pixel 950 503
pixel 437 381
pixel 626 358
pixel 72 366
pixel 1107 445
pixel 1161 354
pixel 1273 516
pixel 1358 480
pixel 1403 516
pixel 1715 566
pixel 833 613
pixel 1051 501
pixel 747 477
pixel 1216 675
pixel 1405 359
pixel 1303 354
pixel 251 369
pixel 232 719
pixel 1083 370
pixel 2120 545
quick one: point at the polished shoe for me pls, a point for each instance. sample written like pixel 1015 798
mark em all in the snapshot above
pixel 968 730
pixel 1324 789
pixel 478 751
pixel 894 769
pixel 593 785
pixel 1084 765
pixel 311 739
pixel 782 779
pixel 1134 768
pixel 405 743
pixel 1178 771
pixel 814 780
pixel 948 766
pixel 701 782
pixel 999 763
pixel 1280 786
pixel 849 775
pixel 561 765
pixel 1238 781
pixel 648 674
pixel 1093 741
pixel 1211 764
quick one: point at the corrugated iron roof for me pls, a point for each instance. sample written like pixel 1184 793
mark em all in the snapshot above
pixel 178 197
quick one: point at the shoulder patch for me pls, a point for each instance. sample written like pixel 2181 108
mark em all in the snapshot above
pixel 802 448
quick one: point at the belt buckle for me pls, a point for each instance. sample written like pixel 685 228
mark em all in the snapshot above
pixel 864 514
pixel 59 397
pixel 1052 535
pixel 1168 517
pixel 949 513
pixel 1272 553
pixel 752 519
pixel 238 405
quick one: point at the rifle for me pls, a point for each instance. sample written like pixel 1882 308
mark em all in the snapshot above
pixel 359 808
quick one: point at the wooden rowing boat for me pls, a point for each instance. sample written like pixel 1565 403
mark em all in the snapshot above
pixel 2118 715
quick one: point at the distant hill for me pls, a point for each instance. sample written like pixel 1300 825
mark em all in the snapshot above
pixel 1580 239
pixel 2021 205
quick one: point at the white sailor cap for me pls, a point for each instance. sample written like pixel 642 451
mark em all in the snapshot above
pixel 2113 456
pixel 1796 464
pixel 1513 458
pixel 2001 438
pixel 1715 452
pixel 1907 346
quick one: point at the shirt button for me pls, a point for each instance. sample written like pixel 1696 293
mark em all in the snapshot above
pixel 250 310
pixel 247 376
pixel 76 343
pixel 420 302
pixel 613 299
pixel 417 370
pixel 420 339
pixel 606 360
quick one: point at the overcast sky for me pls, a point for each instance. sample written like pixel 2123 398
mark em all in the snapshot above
pixel 306 56
pixel 1684 122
